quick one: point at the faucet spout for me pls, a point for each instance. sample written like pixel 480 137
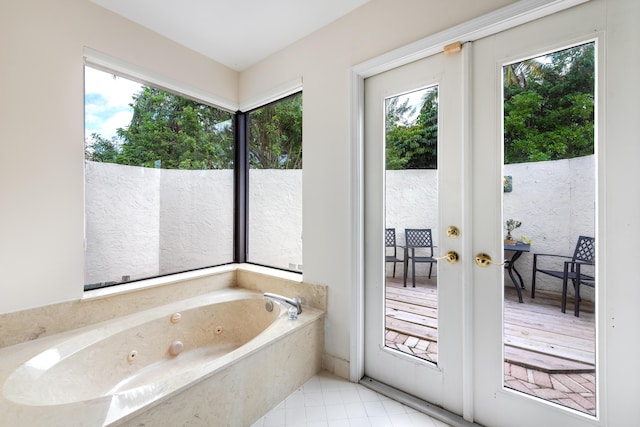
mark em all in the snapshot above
pixel 293 302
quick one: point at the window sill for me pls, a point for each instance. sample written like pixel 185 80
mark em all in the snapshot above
pixel 156 282
pixel 189 275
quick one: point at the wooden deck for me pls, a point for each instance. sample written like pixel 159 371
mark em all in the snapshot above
pixel 537 334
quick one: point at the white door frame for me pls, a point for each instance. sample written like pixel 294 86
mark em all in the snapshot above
pixel 499 20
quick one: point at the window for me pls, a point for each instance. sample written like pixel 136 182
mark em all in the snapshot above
pixel 159 191
pixel 275 184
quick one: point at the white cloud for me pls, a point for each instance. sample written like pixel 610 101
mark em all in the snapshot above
pixel 107 100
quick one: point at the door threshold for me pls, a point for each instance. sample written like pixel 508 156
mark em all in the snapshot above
pixel 413 402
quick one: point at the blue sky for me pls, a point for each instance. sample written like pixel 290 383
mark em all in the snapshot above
pixel 106 102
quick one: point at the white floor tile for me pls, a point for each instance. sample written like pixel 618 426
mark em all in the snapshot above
pixel 328 401
pixel 313 399
pixel 359 422
pixel 350 396
pixel 404 420
pixel 380 421
pixel 316 413
pixel 336 412
pixel 293 415
pixel 274 418
pixel 295 400
pixel 339 423
pixel 332 397
pixel 375 409
pixel 367 395
pixel 392 407
pixel 355 410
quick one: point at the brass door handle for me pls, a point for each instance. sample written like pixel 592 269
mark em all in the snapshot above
pixel 451 257
pixel 484 260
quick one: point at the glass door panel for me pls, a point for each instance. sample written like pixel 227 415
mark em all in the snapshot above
pixel 411 207
pixel 534 181
pixel 548 204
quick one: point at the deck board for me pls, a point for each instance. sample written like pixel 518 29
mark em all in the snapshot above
pixel 537 334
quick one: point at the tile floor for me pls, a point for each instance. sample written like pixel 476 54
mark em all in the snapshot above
pixel 327 400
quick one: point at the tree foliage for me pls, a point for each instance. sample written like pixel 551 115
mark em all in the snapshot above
pixel 101 149
pixel 548 114
pixel 174 132
pixel 275 135
pixel 549 106
pixel 412 143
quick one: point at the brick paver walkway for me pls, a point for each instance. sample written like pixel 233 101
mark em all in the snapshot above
pixel 576 391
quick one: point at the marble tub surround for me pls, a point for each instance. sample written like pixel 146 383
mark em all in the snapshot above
pixel 248 389
pixel 285 283
pixel 108 303
pixel 86 376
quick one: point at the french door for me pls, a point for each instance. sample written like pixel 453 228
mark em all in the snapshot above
pixel 467 374
pixel 410 85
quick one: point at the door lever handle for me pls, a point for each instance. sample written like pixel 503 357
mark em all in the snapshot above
pixel 452 257
pixel 484 260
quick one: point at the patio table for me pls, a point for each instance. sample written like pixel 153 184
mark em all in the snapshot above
pixel 510 265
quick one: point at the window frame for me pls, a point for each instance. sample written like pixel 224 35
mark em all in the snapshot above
pixel 243 237
pixel 105 63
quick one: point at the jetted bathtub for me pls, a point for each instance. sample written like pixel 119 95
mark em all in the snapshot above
pixel 217 359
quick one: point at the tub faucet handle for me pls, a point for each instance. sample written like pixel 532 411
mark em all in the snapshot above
pixel 295 306
pixel 293 313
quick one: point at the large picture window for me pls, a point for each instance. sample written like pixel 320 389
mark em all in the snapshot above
pixel 275 184
pixel 158 182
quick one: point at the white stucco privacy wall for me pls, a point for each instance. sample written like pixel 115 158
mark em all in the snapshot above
pixel 196 206
pixel 275 218
pixel 174 220
pixel 118 220
pixel 143 222
pixel 554 201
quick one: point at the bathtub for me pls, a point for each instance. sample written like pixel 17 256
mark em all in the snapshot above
pixel 217 359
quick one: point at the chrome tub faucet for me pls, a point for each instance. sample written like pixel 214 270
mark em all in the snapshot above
pixel 295 307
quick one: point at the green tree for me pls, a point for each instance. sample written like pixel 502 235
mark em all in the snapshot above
pixel 175 132
pixel 551 115
pixel 519 73
pixel 99 149
pixel 275 135
pixel 412 144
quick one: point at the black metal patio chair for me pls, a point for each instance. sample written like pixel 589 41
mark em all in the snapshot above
pixel 583 255
pixel 390 242
pixel 417 239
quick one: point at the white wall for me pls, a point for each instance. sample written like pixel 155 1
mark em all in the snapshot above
pixel 42 134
